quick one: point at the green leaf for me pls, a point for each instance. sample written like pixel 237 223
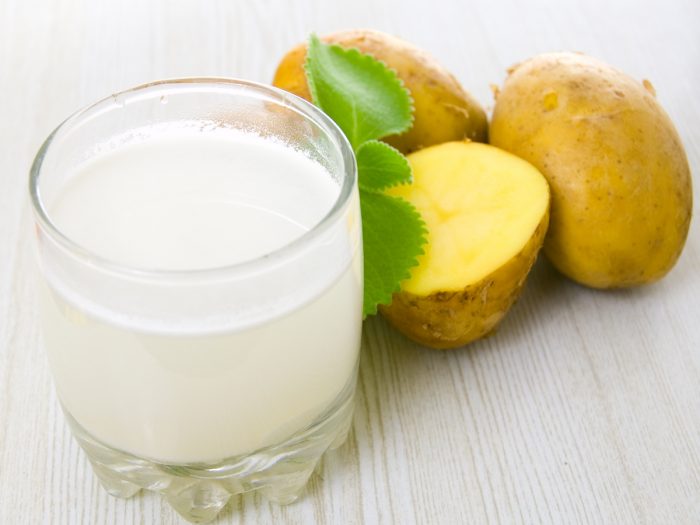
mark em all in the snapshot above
pixel 368 101
pixel 381 166
pixel 393 235
pixel 361 94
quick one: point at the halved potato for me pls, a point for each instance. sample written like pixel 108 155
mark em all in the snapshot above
pixel 487 212
pixel 443 110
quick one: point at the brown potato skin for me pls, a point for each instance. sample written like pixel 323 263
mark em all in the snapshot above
pixel 450 319
pixel 619 176
pixel 443 110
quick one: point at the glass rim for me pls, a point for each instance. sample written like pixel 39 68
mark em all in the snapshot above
pixel 162 87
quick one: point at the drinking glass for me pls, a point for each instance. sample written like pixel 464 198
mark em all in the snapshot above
pixel 201 384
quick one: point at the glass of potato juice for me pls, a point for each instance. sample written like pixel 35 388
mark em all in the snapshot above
pixel 200 247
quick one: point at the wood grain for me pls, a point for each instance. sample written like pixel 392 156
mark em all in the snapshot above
pixel 583 408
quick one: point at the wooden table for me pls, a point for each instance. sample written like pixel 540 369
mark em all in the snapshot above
pixel 583 408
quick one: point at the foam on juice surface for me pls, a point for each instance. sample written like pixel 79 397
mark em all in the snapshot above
pixel 187 200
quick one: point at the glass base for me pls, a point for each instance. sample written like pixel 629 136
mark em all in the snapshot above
pixel 198 492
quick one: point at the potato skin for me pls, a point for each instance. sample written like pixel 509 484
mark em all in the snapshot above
pixel 619 176
pixel 450 319
pixel 443 110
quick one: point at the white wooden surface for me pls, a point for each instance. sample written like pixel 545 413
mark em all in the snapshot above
pixel 583 408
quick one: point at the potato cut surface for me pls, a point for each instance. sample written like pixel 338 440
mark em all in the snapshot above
pixel 481 206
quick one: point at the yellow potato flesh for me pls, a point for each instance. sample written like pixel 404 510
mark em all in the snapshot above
pixel 481 206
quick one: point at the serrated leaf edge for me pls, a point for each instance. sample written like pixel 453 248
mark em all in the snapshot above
pixel 387 186
pixel 413 261
pixel 423 231
pixel 366 57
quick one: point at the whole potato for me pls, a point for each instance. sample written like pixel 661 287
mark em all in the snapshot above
pixel 620 181
pixel 443 111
